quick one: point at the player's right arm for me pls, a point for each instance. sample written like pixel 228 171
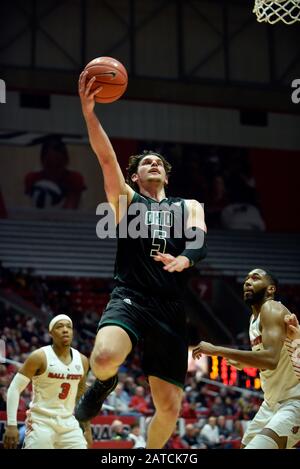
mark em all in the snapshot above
pixel 236 364
pixel 273 335
pixel 114 181
pixel 35 364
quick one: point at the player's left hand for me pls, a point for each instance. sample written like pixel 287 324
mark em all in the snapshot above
pixel 293 327
pixel 204 348
pixel 11 437
pixel 171 263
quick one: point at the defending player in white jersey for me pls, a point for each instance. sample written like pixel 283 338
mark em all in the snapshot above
pixel 58 374
pixel 275 351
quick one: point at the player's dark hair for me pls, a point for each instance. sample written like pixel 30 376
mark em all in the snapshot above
pixel 272 279
pixel 134 162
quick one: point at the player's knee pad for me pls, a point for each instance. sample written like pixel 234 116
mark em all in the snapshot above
pixel 262 442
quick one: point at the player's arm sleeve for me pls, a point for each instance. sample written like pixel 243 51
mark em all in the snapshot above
pixel 195 247
pixel 18 384
pixel 195 233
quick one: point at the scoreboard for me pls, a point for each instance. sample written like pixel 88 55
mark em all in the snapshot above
pixel 219 369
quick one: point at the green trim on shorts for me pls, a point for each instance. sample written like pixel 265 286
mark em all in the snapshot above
pixel 115 322
pixel 169 380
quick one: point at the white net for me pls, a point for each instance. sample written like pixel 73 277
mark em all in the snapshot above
pixel 273 11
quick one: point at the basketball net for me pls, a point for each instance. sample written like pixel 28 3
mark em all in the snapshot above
pixel 273 11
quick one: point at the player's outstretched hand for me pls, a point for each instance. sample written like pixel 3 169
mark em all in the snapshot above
pixel 203 348
pixel 293 327
pixel 87 96
pixel 171 263
pixel 11 437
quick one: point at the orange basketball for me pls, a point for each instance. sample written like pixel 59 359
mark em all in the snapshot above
pixel 111 75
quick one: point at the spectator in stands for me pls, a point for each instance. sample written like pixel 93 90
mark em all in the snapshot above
pixel 139 403
pixel 237 431
pixel 136 436
pixel 118 431
pixel 191 392
pixel 240 178
pixel 176 442
pixel 118 399
pixel 2 398
pixel 217 201
pixel 210 433
pixel 188 410
pixel 195 183
pixel 190 436
pixel 54 185
pixel 242 216
pixel 230 408
pixel 218 407
pixel 129 386
pixel 223 430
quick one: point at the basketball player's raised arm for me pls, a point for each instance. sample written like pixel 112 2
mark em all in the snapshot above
pixel 266 358
pixel 33 365
pixel 114 181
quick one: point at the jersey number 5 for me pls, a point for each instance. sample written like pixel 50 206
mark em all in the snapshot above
pixel 159 242
pixel 65 388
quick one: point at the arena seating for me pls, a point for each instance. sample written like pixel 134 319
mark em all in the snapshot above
pixel 73 249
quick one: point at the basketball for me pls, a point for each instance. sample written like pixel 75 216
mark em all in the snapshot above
pixel 111 75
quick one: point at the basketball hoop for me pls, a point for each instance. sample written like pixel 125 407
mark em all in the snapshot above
pixel 273 11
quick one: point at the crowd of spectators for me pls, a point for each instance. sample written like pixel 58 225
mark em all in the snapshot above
pixel 202 403
pixel 213 417
pixel 219 177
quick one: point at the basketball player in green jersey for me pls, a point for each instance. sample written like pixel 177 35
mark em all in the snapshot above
pixel 146 303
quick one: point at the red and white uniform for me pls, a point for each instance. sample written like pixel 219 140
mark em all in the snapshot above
pixel 280 410
pixel 50 422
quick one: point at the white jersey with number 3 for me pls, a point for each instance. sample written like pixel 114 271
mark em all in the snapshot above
pixel 54 391
pixel 282 383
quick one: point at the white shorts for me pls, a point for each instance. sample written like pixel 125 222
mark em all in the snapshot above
pixel 43 432
pixel 283 419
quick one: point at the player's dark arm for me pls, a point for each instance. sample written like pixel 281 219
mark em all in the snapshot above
pixel 195 241
pixel 114 181
pixel 33 365
pixel 273 335
pixel 86 426
pixel 196 230
pixel 82 383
